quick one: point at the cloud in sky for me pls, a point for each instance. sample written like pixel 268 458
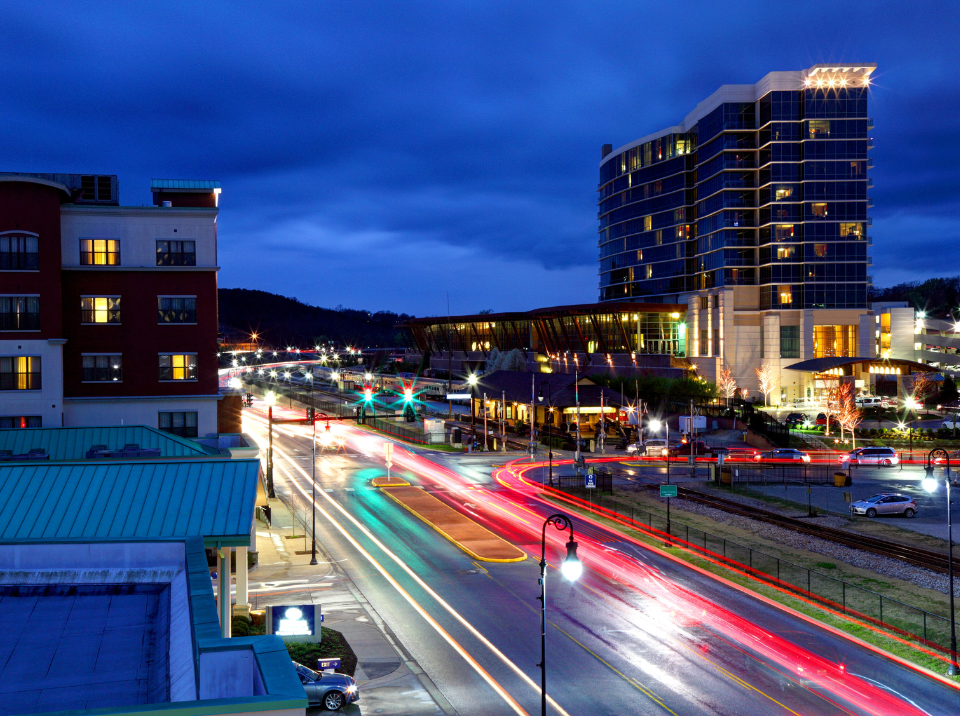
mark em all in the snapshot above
pixel 377 154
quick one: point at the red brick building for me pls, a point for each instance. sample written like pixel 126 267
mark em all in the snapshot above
pixel 108 313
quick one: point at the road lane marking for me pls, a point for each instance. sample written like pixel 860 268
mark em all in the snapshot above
pixel 456 615
pixel 408 598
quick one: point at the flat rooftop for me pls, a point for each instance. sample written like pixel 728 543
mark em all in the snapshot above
pixel 74 647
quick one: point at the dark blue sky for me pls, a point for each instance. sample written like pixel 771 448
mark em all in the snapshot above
pixel 379 154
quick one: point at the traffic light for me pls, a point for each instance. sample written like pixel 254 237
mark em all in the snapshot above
pixel 367 393
pixel 311 414
pixel 407 394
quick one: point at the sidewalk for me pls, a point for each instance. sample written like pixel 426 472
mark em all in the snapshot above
pixel 390 680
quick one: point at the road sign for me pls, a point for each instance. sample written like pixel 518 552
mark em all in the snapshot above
pixel 388 451
pixel 458 396
pixel 328 664
pixel 389 464
pixel 590 481
pixel 668 490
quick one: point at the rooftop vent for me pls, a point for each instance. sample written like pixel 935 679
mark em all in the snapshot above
pixel 605 150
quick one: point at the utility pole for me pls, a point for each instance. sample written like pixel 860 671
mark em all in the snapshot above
pixel 532 415
pixel 503 421
pixel 603 425
pixel 485 433
pixel 576 393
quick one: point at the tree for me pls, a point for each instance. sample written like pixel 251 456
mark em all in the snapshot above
pixel 726 384
pixel 514 360
pixel 485 312
pixel 948 391
pixel 848 415
pixel 767 379
pixel 493 361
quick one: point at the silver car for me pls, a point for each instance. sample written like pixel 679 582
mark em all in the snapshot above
pixel 885 504
pixel 871 456
pixel 330 690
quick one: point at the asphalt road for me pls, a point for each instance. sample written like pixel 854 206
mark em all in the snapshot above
pixel 638 634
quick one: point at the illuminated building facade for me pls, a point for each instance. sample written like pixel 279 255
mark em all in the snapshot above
pixel 753 213
pixel 108 313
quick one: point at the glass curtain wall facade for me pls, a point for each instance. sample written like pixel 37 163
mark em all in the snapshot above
pixel 768 192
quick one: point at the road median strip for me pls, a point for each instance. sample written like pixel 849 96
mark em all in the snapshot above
pixel 477 541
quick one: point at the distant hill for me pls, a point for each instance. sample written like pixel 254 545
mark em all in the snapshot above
pixel 280 321
pixel 939 297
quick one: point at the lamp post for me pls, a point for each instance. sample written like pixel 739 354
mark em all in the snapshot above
pixel 930 485
pixel 270 398
pixel 336 377
pixel 571 569
pixel 472 380
pixel 550 413
pixel 313 479
pixel 910 404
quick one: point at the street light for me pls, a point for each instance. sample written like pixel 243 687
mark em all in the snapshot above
pixel 571 568
pixel 548 424
pixel 270 398
pixel 472 381
pixel 930 485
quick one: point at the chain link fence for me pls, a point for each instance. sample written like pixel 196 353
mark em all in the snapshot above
pixel 930 629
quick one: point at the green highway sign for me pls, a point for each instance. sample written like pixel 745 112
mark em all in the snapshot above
pixel 668 490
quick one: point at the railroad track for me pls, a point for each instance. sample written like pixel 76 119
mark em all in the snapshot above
pixel 934 561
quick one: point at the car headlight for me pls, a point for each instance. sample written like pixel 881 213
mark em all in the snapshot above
pixel 352 688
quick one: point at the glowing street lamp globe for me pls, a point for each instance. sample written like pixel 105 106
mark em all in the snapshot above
pixel 571 567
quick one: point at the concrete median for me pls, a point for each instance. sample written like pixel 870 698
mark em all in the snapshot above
pixel 479 542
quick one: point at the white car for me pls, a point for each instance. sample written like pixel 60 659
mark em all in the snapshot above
pixel 654 447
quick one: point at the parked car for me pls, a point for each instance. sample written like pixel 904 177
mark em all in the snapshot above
pixel 951 423
pixel 330 690
pixel 782 454
pixel 868 401
pixel 888 402
pixel 794 419
pixel 871 456
pixel 654 447
pixel 885 504
pixel 683 449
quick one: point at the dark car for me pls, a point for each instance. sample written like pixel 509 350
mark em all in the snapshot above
pixel 330 690
pixel 783 454
pixel 794 419
pixel 684 449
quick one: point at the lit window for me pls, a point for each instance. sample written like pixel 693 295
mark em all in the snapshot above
pixel 20 373
pixel 178 366
pixel 851 231
pixel 100 309
pixel 820 250
pixel 786 295
pixel 786 252
pixel 784 192
pixel 649 268
pixel 782 232
pixel 819 128
pixel 647 223
pixel 99 252
pixel 819 209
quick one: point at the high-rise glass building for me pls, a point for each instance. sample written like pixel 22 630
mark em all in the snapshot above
pixel 753 212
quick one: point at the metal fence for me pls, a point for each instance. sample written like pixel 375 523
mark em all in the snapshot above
pixel 872 607
pixel 574 483
pixel 410 434
pixel 783 474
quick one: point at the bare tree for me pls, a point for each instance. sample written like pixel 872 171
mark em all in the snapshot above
pixel 768 380
pixel 726 383
pixel 848 414
pixel 922 387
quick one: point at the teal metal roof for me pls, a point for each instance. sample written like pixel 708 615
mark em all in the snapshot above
pixel 193 184
pixel 97 500
pixel 73 443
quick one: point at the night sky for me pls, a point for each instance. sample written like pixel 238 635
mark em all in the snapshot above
pixel 380 154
